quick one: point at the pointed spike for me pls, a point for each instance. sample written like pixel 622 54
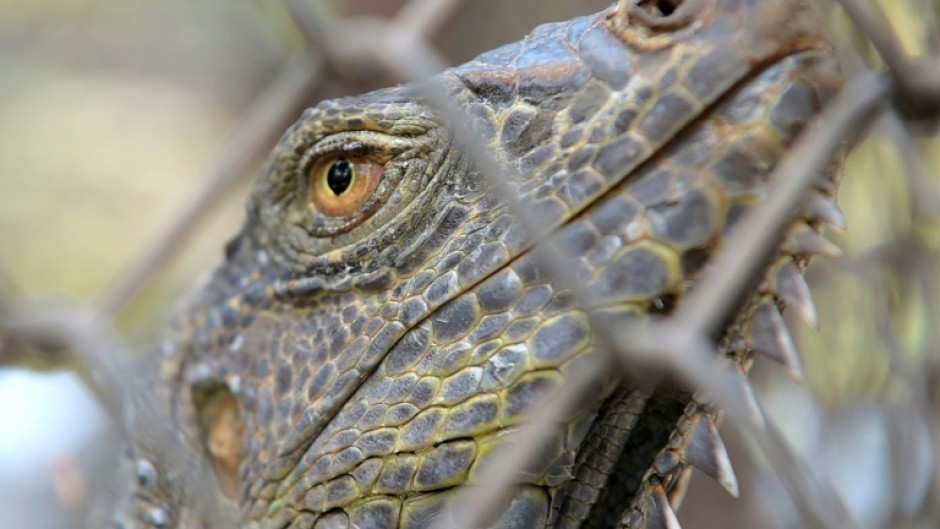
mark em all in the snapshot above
pixel 660 515
pixel 824 209
pixel 739 383
pixel 792 287
pixel 632 519
pixel 707 452
pixel 808 241
pixel 768 334
pixel 677 493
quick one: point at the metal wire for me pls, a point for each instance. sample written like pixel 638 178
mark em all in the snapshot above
pixel 678 343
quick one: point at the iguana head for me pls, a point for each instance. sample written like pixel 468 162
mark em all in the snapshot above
pixel 380 324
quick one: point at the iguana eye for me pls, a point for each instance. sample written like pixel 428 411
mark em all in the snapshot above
pixel 339 187
pixel 334 197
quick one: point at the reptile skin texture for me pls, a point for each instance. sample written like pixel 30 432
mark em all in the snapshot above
pixel 380 324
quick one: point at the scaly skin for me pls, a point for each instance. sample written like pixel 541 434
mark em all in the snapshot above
pixel 352 372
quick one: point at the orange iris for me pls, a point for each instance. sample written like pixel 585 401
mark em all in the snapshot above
pixel 340 186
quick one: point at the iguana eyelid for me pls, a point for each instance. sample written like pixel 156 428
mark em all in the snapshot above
pixel 377 145
pixel 341 147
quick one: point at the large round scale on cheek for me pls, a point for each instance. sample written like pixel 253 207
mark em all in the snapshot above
pixel 340 186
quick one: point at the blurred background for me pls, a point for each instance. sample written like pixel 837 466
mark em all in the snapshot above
pixel 111 110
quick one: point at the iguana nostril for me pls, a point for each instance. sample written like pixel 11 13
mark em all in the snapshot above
pixel 662 16
pixel 659 8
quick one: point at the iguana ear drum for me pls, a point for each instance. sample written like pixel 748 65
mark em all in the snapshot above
pixel 221 427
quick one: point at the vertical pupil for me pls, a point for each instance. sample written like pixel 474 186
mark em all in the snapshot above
pixel 339 176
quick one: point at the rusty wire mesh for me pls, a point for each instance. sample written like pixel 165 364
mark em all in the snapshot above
pixel 904 96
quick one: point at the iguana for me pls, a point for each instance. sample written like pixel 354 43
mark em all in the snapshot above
pixel 380 323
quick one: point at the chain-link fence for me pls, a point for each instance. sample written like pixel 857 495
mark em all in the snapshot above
pixel 901 99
